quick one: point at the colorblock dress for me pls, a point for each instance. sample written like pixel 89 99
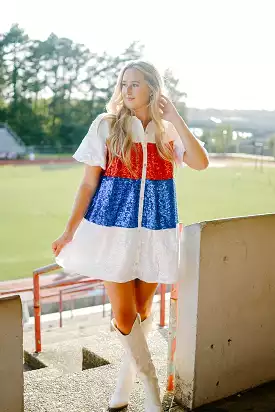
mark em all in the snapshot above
pixel 130 229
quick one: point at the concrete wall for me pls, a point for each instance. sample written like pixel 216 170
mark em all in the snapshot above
pixel 11 355
pixel 226 314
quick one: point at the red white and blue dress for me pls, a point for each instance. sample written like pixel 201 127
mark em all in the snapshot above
pixel 130 229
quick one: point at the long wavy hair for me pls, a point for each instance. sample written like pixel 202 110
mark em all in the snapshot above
pixel 120 141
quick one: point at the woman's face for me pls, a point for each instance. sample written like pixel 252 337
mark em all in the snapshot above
pixel 134 89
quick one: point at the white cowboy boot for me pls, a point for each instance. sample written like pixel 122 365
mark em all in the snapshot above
pixel 127 375
pixel 137 349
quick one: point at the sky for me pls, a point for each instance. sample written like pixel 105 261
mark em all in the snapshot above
pixel 222 51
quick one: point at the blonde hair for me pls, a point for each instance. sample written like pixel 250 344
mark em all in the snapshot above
pixel 120 141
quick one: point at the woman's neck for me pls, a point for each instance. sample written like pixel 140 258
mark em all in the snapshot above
pixel 143 115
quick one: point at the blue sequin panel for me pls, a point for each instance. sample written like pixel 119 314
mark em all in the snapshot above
pixel 115 203
pixel 160 206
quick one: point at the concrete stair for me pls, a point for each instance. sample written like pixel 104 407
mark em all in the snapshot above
pixel 64 384
pixel 80 344
pixel 87 391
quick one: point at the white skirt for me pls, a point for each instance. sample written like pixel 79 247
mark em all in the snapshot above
pixel 119 254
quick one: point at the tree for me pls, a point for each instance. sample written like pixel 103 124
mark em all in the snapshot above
pixel 14 48
pixel 207 138
pixel 271 144
pixel 52 89
pixel 222 137
pixel 177 96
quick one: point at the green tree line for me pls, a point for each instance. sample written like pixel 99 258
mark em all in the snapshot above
pixel 51 90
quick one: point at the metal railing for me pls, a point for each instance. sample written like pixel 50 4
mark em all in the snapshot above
pixel 72 292
pixel 37 298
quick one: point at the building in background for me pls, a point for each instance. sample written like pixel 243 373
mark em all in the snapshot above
pixel 11 146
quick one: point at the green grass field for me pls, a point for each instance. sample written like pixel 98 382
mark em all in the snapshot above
pixel 36 202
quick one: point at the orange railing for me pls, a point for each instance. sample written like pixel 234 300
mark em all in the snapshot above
pixel 74 291
pixel 37 298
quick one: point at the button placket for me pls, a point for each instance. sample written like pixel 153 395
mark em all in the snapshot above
pixel 143 179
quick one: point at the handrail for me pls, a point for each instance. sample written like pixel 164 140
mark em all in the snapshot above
pixel 46 269
pixel 37 298
pixel 72 292
pixel 36 301
pixel 52 286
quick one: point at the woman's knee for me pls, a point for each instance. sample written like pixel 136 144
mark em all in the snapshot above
pixel 125 320
pixel 144 309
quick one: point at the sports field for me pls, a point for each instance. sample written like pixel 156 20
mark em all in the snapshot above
pixel 36 202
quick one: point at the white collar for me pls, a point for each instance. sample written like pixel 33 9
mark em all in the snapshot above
pixel 140 122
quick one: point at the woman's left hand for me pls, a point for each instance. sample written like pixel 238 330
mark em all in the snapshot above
pixel 168 110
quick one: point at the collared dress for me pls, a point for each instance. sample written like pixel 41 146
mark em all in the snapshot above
pixel 130 229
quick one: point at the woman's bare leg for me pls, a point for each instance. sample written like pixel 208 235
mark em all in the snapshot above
pixel 127 299
pixel 144 295
pixel 122 298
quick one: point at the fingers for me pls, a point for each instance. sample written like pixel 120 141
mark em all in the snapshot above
pixel 163 101
pixel 58 250
pixel 163 98
pixel 57 247
pixel 54 247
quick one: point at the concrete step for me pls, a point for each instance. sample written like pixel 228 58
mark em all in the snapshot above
pixel 90 390
pixel 69 321
pixel 52 390
pixel 79 349
pixel 71 330
pixel 87 391
pixel 94 313
pixel 78 327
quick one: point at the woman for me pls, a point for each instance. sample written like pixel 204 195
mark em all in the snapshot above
pixel 124 225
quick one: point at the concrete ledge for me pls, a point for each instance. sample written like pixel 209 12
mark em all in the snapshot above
pixel 226 334
pixel 11 355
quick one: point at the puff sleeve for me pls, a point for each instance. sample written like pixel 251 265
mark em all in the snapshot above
pixel 92 150
pixel 178 145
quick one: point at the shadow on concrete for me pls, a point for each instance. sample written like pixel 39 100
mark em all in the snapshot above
pixel 164 333
pixel 260 399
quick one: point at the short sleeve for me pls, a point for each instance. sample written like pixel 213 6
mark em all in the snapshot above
pixel 178 145
pixel 92 150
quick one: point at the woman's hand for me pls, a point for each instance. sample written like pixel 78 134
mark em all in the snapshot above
pixel 59 243
pixel 168 110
